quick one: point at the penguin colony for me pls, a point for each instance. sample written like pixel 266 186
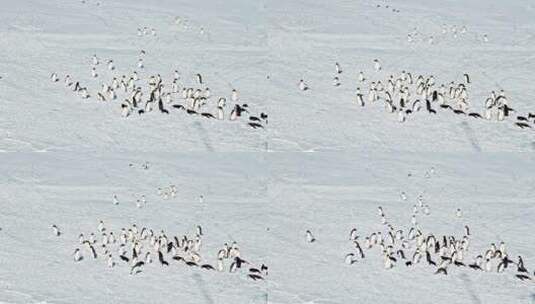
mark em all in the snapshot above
pixel 157 94
pixel 139 248
pixel 398 246
pixel 404 95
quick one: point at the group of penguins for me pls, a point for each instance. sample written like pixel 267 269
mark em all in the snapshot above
pixel 441 253
pixel 406 94
pixel 138 248
pixel 447 31
pixel 162 96
pixel 164 193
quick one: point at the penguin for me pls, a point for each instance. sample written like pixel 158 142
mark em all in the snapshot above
pixel 220 113
pixel 388 262
pixel 264 269
pixel 475 115
pixel 361 77
pixel 302 85
pixel 110 263
pixel 353 234
pixel 350 259
pixel 501 266
pixel 199 78
pixel 488 265
pixel 336 81
pixel 429 108
pixel 115 200
pixel 360 100
pixel 101 97
pixel 161 259
pixel 140 63
pixel 111 66
pixel 234 113
pixel 54 77
pixel 264 117
pixel 234 95
pixel 416 106
pixel 466 230
pixel 441 270
pixel 94 73
pixel 56 230
pixel 429 260
pixel 95 59
pixel 136 268
pixel 338 69
pixel 401 116
pixel 93 251
pixel 161 108
pixel 458 213
pixel 68 81
pixel 376 65
pixel 520 265
pixel 466 78
pixel 309 237
pixel 77 255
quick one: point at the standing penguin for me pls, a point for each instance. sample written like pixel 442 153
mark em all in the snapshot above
pixel 336 81
pixel 361 77
pixel 302 85
pixel 56 231
pixel 338 69
pixel 234 113
pixel 360 100
pixel 377 65
pixel 54 77
pixel 466 78
pixel 309 237
pixel 401 116
pixel 220 113
pixel 95 59
pixel 77 255
pixel 234 96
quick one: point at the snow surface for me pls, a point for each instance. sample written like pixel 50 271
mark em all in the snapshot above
pixel 66 157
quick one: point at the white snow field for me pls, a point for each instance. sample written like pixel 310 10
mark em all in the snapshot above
pixel 323 163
